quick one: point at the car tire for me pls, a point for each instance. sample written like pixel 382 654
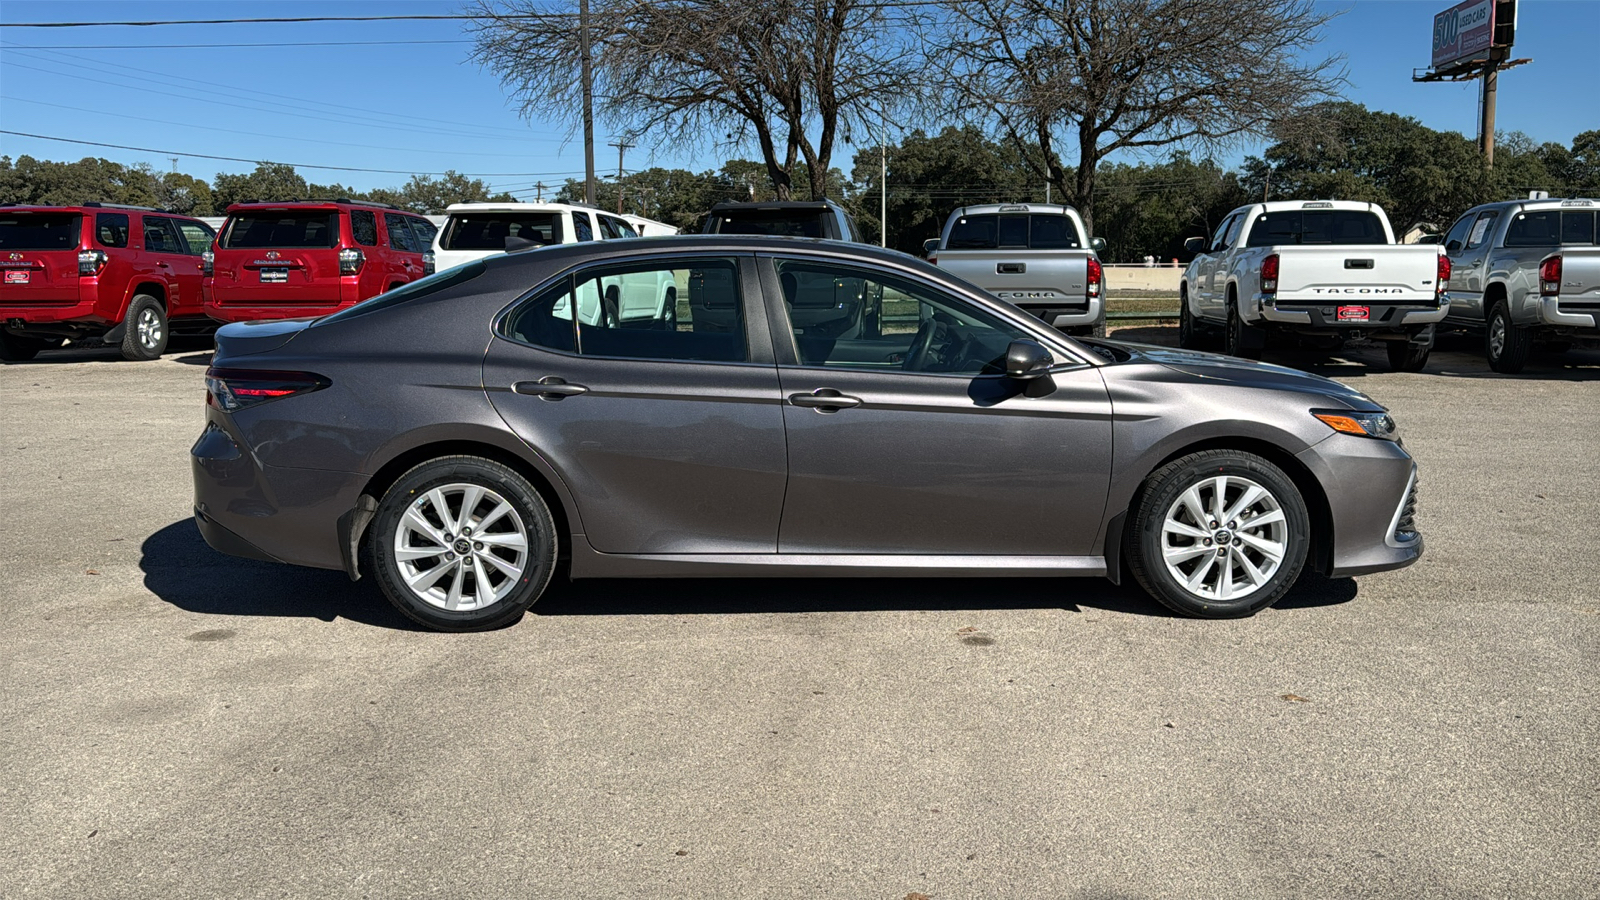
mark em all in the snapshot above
pixel 1405 356
pixel 1244 340
pixel 421 527
pixel 145 333
pixel 1507 344
pixel 15 348
pixel 1173 550
pixel 1097 330
pixel 1188 331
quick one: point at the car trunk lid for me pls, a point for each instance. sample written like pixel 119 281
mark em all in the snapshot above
pixel 272 257
pixel 39 258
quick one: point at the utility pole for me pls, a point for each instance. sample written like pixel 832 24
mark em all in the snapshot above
pixel 883 185
pixel 622 146
pixel 539 187
pixel 588 102
pixel 1490 83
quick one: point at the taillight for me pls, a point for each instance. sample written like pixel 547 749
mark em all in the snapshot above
pixel 933 260
pixel 427 262
pixel 1096 277
pixel 90 262
pixel 350 261
pixel 208 262
pixel 1550 277
pixel 1269 274
pixel 1443 278
pixel 234 389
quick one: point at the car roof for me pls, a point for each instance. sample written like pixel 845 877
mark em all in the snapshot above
pixel 339 203
pixel 81 208
pixel 488 206
pixel 984 209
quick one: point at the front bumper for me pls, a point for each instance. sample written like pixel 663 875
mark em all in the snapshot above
pixel 1371 491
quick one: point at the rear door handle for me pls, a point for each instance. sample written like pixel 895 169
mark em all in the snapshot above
pixel 824 400
pixel 550 387
pixel 163 265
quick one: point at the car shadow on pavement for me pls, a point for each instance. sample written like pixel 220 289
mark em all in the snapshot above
pixel 182 570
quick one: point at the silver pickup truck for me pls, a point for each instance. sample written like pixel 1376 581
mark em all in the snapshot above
pixel 1526 270
pixel 1032 255
pixel 1322 268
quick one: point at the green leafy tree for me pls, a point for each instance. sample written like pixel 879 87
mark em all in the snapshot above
pixel 269 182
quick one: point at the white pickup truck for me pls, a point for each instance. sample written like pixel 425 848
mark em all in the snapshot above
pixel 1032 255
pixel 1327 268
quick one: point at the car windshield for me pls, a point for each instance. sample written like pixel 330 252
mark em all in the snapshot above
pixel 39 231
pixel 783 223
pixel 282 228
pixel 1321 226
pixel 1022 231
pixel 489 230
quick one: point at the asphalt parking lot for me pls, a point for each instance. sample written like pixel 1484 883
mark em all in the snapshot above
pixel 176 723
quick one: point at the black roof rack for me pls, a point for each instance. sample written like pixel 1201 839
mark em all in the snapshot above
pixel 98 205
pixel 344 200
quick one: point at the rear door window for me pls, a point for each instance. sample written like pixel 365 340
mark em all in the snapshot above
pixel 581 227
pixel 42 231
pixel 400 236
pixel 293 228
pixel 160 236
pixel 1316 226
pixel 488 231
pixel 197 236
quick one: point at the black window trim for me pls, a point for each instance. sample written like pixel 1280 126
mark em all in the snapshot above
pixel 756 345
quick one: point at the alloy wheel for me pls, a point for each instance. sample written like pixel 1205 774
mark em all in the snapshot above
pixel 461 547
pixel 1224 538
pixel 149 327
pixel 1497 336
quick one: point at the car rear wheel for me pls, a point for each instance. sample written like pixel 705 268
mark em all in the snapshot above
pixel 1188 334
pixel 1508 345
pixel 144 335
pixel 463 543
pixel 1218 534
pixel 1244 340
pixel 1405 356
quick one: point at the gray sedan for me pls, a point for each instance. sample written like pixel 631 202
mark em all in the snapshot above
pixel 715 406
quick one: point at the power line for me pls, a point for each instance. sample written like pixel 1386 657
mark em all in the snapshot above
pixel 48 137
pixel 213 46
pixel 262 21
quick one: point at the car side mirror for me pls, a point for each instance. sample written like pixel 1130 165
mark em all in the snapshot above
pixel 1430 239
pixel 1097 244
pixel 1453 248
pixel 929 246
pixel 1195 245
pixel 1027 360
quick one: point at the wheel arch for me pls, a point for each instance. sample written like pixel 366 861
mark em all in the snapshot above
pixel 151 288
pixel 1319 555
pixel 1493 292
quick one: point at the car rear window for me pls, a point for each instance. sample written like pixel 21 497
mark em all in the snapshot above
pixel 779 222
pixel 488 231
pixel 282 228
pixel 1020 231
pixel 1319 226
pixel 39 231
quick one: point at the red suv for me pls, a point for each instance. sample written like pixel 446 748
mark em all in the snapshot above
pixel 311 257
pixel 126 275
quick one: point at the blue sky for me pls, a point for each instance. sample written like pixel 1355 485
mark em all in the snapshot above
pixel 423 107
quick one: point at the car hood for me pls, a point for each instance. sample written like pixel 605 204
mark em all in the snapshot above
pixel 1218 368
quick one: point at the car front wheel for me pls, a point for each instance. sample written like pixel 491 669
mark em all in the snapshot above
pixel 463 543
pixel 1508 344
pixel 1218 534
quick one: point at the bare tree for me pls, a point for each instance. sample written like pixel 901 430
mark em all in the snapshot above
pixel 1099 76
pixel 791 77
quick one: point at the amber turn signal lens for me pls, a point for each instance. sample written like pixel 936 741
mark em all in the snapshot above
pixel 1342 423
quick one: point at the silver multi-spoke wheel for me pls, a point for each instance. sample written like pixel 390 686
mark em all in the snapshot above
pixel 461 547
pixel 149 328
pixel 1497 337
pixel 1224 538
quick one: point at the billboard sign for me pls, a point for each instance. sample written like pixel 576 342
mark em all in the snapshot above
pixel 1463 31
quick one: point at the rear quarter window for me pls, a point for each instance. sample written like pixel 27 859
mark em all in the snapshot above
pixel 364 227
pixel 111 229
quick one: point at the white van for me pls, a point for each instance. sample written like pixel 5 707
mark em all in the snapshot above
pixel 475 230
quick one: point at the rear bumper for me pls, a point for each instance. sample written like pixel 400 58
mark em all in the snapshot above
pixel 1551 313
pixel 260 512
pixel 1067 315
pixel 1325 316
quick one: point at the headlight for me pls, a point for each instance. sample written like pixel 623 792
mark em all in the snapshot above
pixel 1364 424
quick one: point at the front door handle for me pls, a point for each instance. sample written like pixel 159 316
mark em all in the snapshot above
pixel 550 387
pixel 825 400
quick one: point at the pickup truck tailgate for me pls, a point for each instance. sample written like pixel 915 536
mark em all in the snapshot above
pixel 1580 281
pixel 1365 273
pixel 1053 278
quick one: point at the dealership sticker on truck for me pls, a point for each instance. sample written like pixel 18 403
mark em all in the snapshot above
pixel 1354 313
pixel 17 276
